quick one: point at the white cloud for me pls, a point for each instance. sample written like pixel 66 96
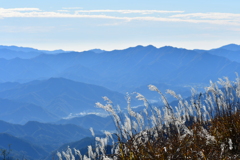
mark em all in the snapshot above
pixel 37 13
pixel 72 8
pixel 210 18
pixel 2 10
pixel 127 11
pixel 170 19
pixel 213 15
pixel 71 115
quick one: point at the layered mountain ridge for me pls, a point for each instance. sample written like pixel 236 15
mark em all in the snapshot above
pixel 39 86
pixel 134 66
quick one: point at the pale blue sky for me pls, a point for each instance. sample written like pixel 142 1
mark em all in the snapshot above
pixel 113 24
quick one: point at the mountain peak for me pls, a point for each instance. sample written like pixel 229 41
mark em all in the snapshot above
pixel 150 46
pixel 143 47
pixel 167 47
pixel 97 50
pixel 231 47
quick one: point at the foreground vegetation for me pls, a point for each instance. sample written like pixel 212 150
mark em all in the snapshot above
pixel 207 126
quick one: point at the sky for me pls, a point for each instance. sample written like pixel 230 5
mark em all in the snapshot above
pixel 113 24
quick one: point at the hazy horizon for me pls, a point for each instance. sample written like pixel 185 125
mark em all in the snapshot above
pixel 83 25
pixel 44 49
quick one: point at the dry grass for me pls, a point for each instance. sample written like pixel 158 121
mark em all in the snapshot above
pixel 206 127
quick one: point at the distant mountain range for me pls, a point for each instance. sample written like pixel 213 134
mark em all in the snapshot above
pixel 231 47
pixel 45 138
pixel 49 100
pixel 124 70
pixel 10 52
pixel 20 148
pixel 21 112
pixel 39 86
pixel 231 51
pixel 44 135
pixel 127 70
